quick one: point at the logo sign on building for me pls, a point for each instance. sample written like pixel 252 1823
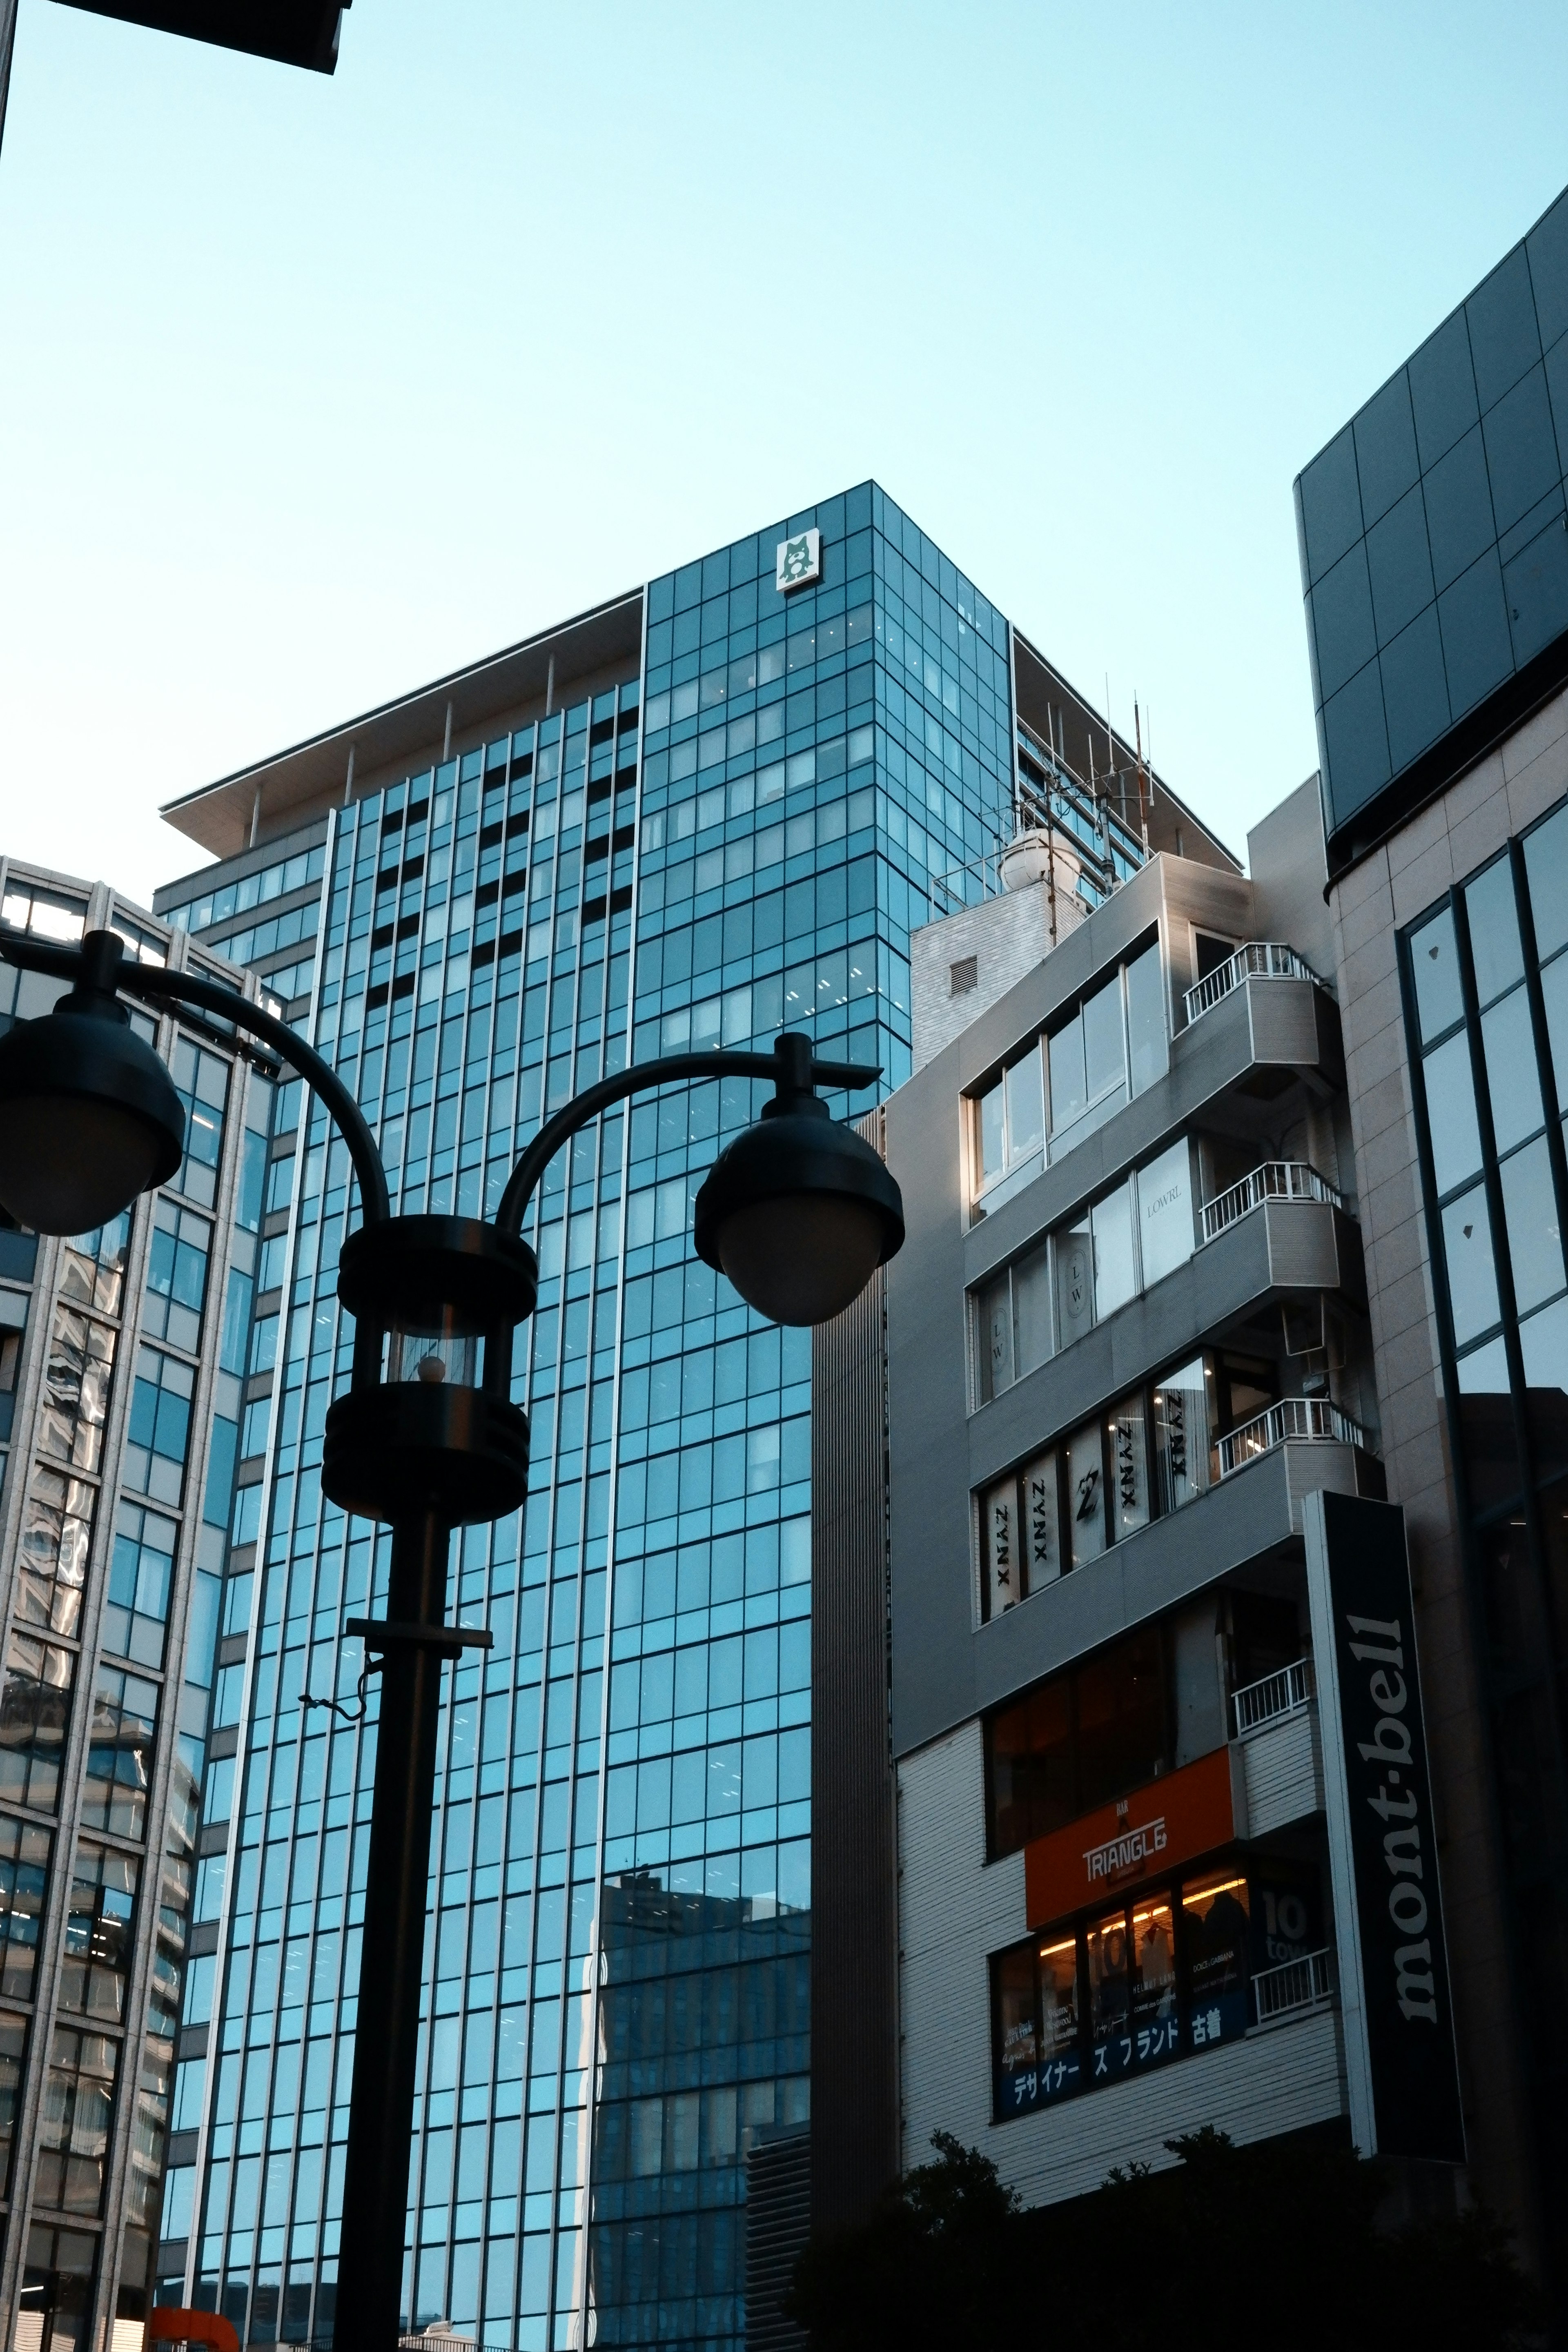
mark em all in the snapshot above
pixel 1392 1964
pixel 1157 1829
pixel 799 561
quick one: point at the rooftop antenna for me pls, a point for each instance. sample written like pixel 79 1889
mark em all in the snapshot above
pixel 1143 813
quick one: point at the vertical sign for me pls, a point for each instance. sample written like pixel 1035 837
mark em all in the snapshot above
pixel 1394 1967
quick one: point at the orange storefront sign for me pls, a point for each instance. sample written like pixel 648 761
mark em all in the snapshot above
pixel 1157 1829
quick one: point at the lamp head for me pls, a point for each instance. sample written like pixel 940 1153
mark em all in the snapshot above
pixel 798 1212
pixel 88 1115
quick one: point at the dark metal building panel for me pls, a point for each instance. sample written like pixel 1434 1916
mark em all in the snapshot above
pixel 778 2222
pixel 854 1901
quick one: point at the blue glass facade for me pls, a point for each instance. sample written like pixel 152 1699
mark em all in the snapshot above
pixel 617 1954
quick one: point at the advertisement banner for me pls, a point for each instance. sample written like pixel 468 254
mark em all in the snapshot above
pixel 1392 1964
pixel 1169 1821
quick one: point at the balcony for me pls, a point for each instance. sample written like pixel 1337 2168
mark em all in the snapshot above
pixel 1274 1724
pixel 1294 1421
pixel 1257 959
pixel 1294 1989
pixel 1266 1701
pixel 1275 1180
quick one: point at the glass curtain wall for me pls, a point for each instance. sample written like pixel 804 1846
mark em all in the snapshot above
pixel 811 762
pixel 617 1945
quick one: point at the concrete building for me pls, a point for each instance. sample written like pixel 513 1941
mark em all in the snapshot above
pixel 1125 1347
pixel 710 809
pixel 122 1353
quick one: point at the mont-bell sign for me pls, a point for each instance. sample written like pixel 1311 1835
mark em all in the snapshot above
pixel 1392 1964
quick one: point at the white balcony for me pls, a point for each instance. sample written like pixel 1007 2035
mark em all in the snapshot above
pixel 1292 1421
pixel 1257 959
pixel 1275 1180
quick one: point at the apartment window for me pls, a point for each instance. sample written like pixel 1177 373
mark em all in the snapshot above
pixel 1164 1976
pixel 1092 1265
pixel 1110 1046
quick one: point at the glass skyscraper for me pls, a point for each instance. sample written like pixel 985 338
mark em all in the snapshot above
pixel 713 811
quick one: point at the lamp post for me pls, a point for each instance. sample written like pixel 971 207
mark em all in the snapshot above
pixel 798 1212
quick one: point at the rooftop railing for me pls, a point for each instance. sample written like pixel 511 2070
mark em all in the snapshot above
pixel 1276 1179
pixel 1257 959
pixel 1292 1422
pixel 1294 1988
pixel 1271 1698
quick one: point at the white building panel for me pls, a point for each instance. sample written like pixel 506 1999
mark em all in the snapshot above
pixel 1283 1771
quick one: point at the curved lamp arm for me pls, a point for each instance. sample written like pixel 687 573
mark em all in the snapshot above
pixel 152 981
pixel 790 1063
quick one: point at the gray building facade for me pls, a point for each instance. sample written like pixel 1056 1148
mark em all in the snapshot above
pixel 1446 903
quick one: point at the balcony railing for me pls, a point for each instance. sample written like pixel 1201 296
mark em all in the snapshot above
pixel 1260 960
pixel 1295 1987
pixel 1271 1698
pixel 1290 1422
pixel 1276 1179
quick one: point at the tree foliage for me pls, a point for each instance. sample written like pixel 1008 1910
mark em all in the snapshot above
pixel 1279 2242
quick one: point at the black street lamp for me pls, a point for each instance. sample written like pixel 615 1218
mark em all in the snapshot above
pixel 798 1213
pixel 290 32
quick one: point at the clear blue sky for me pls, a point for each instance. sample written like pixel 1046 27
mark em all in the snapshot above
pixel 310 389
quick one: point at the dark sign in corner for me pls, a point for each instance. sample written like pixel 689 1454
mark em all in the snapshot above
pixel 1403 2081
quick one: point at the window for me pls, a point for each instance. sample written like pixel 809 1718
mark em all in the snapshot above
pixel 201 1081
pixel 160 1425
pixel 1009 1123
pixel 176 1276
pixel 1095 1264
pixel 24 1866
pixel 98 1949
pixel 1091 1734
pixel 35 1712
pixel 120 1753
pixel 1151 1451
pixel 13 2042
pixel 1110 1046
pixel 73 2130
pixel 1492 1240
pixel 1013 1331
pixel 1162 1977
pixel 1021 1534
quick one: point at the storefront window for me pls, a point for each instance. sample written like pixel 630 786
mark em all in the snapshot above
pixel 1153 1961
pixel 1167 1975
pixel 1216 1927
pixel 1109 1994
